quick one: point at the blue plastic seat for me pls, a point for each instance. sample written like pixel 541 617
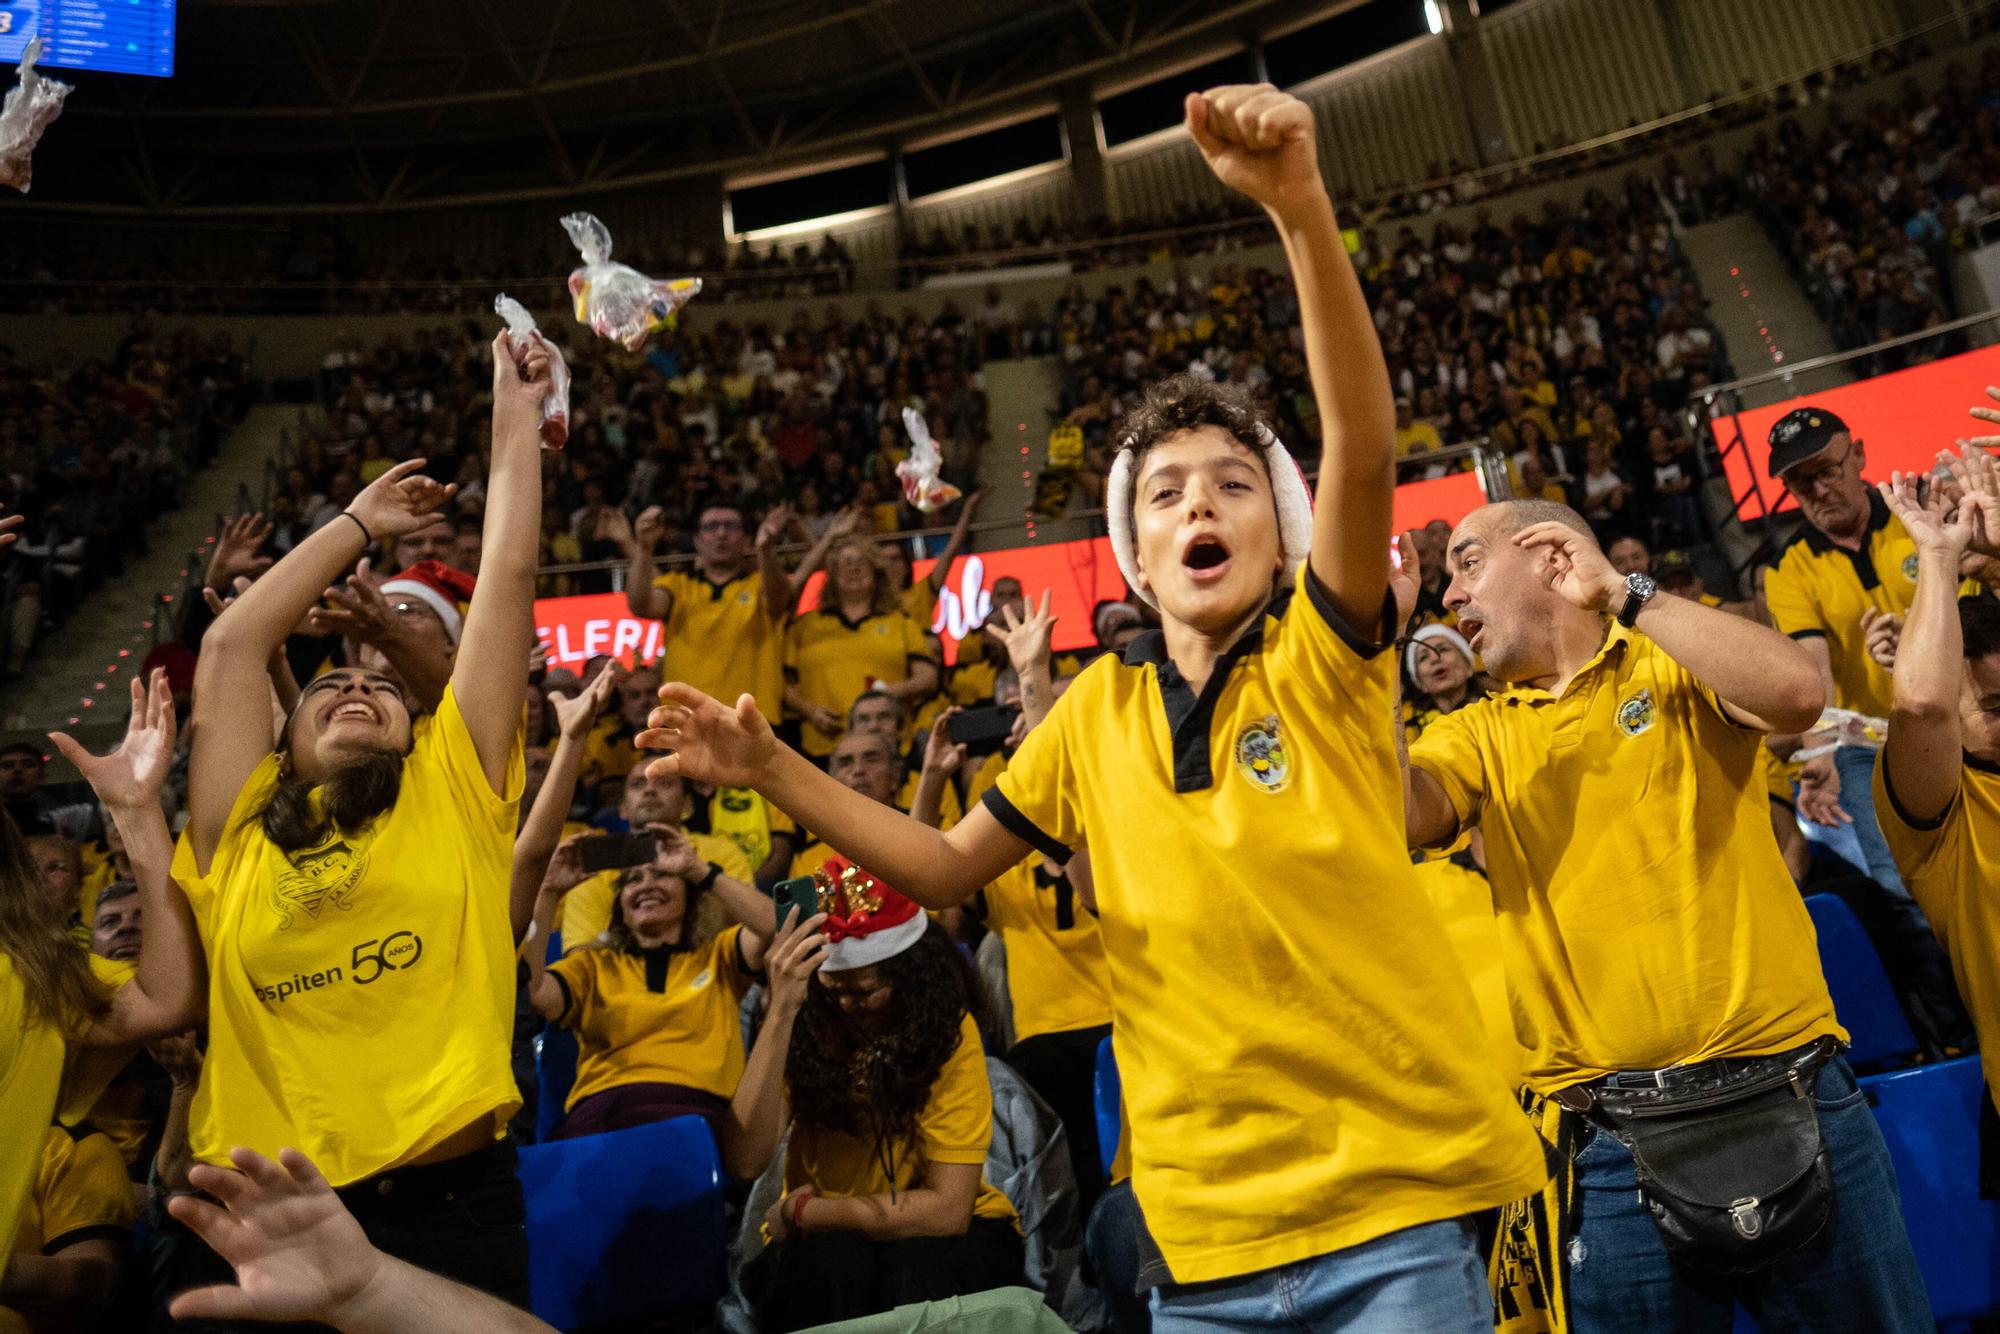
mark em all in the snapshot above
pixel 1105 1090
pixel 627 1225
pixel 1863 1000
pixel 1930 1119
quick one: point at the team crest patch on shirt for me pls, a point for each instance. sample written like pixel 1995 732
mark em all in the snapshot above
pixel 701 979
pixel 743 598
pixel 314 879
pixel 1260 755
pixel 1910 567
pixel 1637 714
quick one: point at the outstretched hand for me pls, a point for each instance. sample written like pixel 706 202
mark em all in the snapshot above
pixel 236 551
pixel 711 742
pixel 359 612
pixel 1406 578
pixel 1025 637
pixel 402 501
pixel 297 1252
pixel 576 713
pixel 1975 479
pixel 1575 566
pixel 8 530
pixel 521 380
pixel 133 774
pixel 941 753
pixel 1932 520
pixel 1259 141
pixel 795 954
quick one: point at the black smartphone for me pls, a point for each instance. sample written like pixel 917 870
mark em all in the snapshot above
pixel 801 893
pixel 615 852
pixel 982 731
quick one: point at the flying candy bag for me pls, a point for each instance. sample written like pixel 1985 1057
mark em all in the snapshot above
pixel 555 407
pixel 31 105
pixel 615 300
pixel 921 486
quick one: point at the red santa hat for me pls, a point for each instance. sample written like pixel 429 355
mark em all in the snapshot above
pixel 439 587
pixel 866 920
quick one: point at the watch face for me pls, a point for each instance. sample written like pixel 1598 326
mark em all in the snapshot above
pixel 1641 585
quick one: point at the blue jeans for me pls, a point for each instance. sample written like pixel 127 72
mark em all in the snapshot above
pixel 1111 1243
pixel 1430 1277
pixel 1857 797
pixel 1858 1274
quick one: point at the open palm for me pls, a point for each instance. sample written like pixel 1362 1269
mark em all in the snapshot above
pixel 133 773
pixel 711 742
pixel 1932 521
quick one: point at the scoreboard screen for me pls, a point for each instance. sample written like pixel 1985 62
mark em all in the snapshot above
pixel 117 36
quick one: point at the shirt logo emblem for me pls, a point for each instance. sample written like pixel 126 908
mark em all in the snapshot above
pixel 312 880
pixel 701 980
pixel 1260 755
pixel 743 598
pixel 1637 714
pixel 1910 567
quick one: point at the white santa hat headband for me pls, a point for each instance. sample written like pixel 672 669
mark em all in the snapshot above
pixel 1288 489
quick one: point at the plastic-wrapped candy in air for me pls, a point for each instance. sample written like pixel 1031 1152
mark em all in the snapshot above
pixel 921 485
pixel 31 105
pixel 555 408
pixel 617 301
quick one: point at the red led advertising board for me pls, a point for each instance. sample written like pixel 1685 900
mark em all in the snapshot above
pixel 1903 418
pixel 1078 574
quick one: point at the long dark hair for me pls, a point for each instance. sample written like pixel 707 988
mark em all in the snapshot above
pixel 56 980
pixel 354 794
pixel 875 1086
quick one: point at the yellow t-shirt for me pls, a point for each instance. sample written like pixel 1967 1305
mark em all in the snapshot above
pixel 674 1020
pixel 361 994
pixel 919 602
pixel 585 911
pixel 832 660
pixel 1230 904
pixel 1951 866
pixel 1419 437
pixel 31 1071
pixel 972 680
pixel 1819 589
pixel 1645 914
pixel 722 639
pixel 950 809
pixel 812 855
pixel 1464 902
pixel 741 815
pixel 955 1126
pixel 80 1194
pixel 1056 975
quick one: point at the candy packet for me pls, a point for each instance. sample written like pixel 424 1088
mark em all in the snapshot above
pixel 30 107
pixel 617 301
pixel 555 407
pixel 921 485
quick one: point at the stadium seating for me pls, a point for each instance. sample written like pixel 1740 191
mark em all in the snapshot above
pixel 1863 1000
pixel 1107 1094
pixel 625 1226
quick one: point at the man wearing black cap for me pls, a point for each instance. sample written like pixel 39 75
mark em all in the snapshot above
pixel 1851 557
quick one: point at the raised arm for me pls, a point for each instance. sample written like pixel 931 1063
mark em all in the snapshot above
pixel 1027 640
pixel 542 830
pixel 955 546
pixel 357 611
pixel 735 748
pixel 843 523
pixel 1923 757
pixel 166 991
pixel 1764 680
pixel 942 759
pixel 641 597
pixel 1261 141
pixel 229 740
pixel 757 1112
pixel 491 673
pixel 564 873
pixel 779 593
pixel 746 904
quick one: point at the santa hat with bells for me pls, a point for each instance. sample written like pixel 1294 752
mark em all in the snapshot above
pixel 439 587
pixel 1288 488
pixel 866 921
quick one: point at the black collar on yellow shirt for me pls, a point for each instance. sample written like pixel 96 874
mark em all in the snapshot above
pixel 1864 564
pixel 1190 717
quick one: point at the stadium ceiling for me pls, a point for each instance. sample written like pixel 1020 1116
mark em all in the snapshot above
pixel 357 106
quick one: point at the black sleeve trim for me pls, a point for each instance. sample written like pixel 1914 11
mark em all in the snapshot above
pixel 1896 803
pixel 1361 646
pixel 1021 827
pixel 569 999
pixel 1807 634
pixel 743 964
pixel 112 1232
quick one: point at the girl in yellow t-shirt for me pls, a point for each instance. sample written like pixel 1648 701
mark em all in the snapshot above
pixel 860 638
pixel 69 1022
pixel 352 881
pixel 871 1054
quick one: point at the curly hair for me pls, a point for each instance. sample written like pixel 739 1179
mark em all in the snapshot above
pixel 843 1081
pixel 1184 402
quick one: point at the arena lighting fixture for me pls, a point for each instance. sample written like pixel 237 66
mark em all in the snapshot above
pixel 1433 17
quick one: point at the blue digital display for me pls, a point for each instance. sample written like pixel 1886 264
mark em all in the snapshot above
pixel 118 36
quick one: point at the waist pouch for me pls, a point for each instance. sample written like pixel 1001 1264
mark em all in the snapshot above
pixel 1733 1168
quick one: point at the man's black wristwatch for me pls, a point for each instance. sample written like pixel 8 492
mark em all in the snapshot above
pixel 1639 590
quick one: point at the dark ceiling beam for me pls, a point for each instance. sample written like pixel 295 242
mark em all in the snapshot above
pixel 886 27
pixel 549 43
pixel 751 136
pixel 1097 25
pixel 558 151
pixel 385 20
pixel 307 44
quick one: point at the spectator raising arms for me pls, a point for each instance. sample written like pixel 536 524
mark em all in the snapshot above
pixel 859 639
pixel 1198 765
pixel 352 884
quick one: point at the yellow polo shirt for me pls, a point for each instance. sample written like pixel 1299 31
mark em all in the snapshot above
pixel 722 639
pixel 955 1126
pixel 1645 914
pixel 585 911
pixel 832 660
pixel 1951 865
pixel 1819 589
pixel 31 1069
pixel 1056 975
pixel 671 1018
pixel 1250 870
pixel 80 1194
pixel 361 994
